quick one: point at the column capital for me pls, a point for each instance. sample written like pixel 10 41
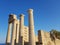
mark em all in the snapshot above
pixel 22 15
pixel 12 17
pixel 30 10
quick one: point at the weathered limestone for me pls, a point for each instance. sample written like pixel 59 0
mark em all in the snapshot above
pixel 13 38
pixel 8 35
pixel 17 32
pixel 13 33
pixel 31 28
pixel 44 38
pixel 21 29
pixel 41 37
pixel 26 34
pixel 23 35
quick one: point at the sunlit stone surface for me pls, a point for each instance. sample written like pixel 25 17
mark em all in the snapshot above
pixel 19 34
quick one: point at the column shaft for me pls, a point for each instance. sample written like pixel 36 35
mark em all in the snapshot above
pixel 21 29
pixel 8 34
pixel 13 33
pixel 31 28
pixel 17 33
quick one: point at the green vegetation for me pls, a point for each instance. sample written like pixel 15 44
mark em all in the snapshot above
pixel 55 33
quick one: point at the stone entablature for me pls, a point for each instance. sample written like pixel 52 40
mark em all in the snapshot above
pixel 12 17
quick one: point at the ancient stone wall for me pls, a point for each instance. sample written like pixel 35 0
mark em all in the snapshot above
pixel 45 38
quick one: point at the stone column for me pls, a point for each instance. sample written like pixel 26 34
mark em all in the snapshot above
pixel 31 28
pixel 17 32
pixel 13 32
pixel 8 35
pixel 21 29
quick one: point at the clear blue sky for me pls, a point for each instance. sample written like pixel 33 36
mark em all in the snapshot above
pixel 46 14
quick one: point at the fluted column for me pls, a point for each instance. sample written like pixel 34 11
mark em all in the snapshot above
pixel 13 33
pixel 8 35
pixel 31 28
pixel 21 29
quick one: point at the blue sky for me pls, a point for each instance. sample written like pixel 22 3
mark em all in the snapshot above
pixel 46 14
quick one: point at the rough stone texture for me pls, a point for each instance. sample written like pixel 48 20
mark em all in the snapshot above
pixel 46 39
pixel 26 34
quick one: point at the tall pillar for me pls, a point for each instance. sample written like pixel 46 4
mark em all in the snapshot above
pixel 17 32
pixel 21 29
pixel 13 33
pixel 8 35
pixel 31 28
